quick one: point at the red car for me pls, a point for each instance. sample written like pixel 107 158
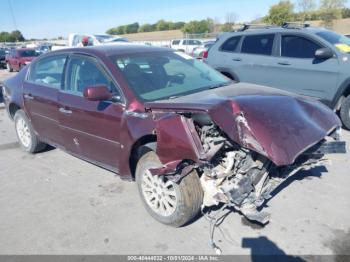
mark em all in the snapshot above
pixel 190 137
pixel 16 59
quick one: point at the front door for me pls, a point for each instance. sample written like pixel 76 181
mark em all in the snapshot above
pixel 297 70
pixel 40 96
pixel 90 129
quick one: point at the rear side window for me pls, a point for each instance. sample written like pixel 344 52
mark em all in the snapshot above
pixel 298 47
pixel 258 44
pixel 176 42
pixel 231 44
pixel 194 42
pixel 48 71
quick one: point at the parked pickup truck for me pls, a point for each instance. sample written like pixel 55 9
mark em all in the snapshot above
pixel 185 45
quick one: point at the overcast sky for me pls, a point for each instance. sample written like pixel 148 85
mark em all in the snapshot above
pixel 52 18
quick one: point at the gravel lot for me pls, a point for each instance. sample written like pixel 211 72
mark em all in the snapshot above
pixel 53 203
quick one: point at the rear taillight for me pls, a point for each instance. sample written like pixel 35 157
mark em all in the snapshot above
pixel 205 54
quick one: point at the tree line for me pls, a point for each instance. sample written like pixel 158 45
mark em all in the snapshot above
pixel 202 26
pixel 13 36
pixel 285 11
pixel 307 10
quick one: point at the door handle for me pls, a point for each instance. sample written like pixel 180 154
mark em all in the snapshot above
pixel 285 63
pixel 64 111
pixel 237 59
pixel 28 96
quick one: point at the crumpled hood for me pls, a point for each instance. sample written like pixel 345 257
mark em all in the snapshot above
pixel 271 122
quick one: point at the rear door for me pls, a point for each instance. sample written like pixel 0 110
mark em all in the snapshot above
pixel 297 70
pixel 40 95
pixel 226 57
pixel 90 129
pixel 253 63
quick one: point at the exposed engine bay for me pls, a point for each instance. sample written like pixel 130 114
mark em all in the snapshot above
pixel 243 179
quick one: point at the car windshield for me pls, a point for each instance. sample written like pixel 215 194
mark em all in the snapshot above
pixel 339 41
pixel 166 75
pixel 28 53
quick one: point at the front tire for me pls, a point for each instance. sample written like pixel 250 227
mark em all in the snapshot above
pixel 345 112
pixel 173 204
pixel 27 138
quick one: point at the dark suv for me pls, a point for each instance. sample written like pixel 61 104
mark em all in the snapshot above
pixel 189 136
pixel 297 58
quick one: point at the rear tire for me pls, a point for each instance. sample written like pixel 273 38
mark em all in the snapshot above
pixel 27 138
pixel 345 112
pixel 186 197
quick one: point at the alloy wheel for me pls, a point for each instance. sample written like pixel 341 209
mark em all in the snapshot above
pixel 23 132
pixel 159 194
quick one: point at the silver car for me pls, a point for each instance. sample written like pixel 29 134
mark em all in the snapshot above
pixel 310 61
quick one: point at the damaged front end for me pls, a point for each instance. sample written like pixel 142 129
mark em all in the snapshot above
pixel 239 173
pixel 244 179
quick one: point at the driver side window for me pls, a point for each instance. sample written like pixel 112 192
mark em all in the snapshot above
pixel 84 72
pixel 298 47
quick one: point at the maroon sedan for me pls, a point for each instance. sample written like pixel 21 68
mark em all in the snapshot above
pixel 191 138
pixel 19 58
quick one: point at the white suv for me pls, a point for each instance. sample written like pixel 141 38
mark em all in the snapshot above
pixel 185 45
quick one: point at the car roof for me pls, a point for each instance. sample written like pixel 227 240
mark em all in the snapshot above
pixel 269 30
pixel 111 50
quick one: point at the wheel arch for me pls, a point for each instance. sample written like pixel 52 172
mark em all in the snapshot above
pixel 228 73
pixel 342 93
pixel 12 109
pixel 139 148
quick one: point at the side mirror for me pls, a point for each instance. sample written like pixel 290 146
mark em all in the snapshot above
pixel 97 93
pixel 324 53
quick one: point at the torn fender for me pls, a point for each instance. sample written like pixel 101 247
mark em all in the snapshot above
pixel 177 139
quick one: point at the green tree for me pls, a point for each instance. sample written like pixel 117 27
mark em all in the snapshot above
pixel 227 27
pixel 162 25
pixel 178 25
pixel 17 36
pixel 5 37
pixel 14 36
pixel 132 28
pixel 196 27
pixel 280 13
pixel 306 7
pixel 120 30
pixel 331 10
pixel 346 13
pixel 146 28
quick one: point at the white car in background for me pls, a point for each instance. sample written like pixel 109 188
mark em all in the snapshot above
pixel 75 39
pixel 185 45
pixel 201 51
